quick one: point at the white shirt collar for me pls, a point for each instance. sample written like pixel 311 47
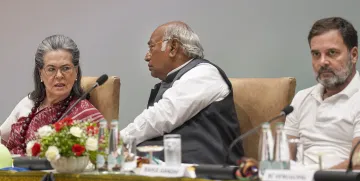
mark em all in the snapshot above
pixel 349 90
pixel 178 68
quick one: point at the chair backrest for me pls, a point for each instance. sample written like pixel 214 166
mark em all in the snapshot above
pixel 105 97
pixel 257 100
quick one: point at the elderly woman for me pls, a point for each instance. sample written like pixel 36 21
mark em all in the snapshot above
pixel 57 77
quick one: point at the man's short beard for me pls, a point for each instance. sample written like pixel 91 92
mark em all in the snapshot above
pixel 338 79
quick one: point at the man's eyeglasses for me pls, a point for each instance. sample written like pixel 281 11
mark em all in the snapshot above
pixel 52 71
pixel 151 46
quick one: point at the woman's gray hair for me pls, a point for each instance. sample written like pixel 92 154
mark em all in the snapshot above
pixel 187 37
pixel 53 43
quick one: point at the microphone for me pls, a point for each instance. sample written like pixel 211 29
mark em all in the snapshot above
pixel 223 172
pixel 350 166
pixel 347 175
pixel 216 172
pixel 287 110
pixel 100 81
pixel 328 175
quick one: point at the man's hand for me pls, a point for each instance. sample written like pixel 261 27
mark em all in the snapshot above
pixel 344 164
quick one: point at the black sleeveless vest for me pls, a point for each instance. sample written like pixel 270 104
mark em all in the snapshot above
pixel 207 135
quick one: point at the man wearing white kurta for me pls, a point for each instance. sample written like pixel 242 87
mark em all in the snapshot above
pixel 194 99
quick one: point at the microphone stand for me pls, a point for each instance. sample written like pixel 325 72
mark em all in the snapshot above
pixel 252 131
pixel 77 101
pixel 224 171
pixel 350 166
pixel 348 175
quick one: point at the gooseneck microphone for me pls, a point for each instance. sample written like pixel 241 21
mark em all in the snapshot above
pixel 287 110
pixel 338 175
pixel 224 171
pixel 101 80
pixel 350 166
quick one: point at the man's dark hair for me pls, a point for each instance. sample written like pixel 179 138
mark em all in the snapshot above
pixel 346 29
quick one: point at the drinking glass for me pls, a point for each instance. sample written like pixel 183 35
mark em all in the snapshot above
pixel 129 163
pixel 299 157
pixel 172 149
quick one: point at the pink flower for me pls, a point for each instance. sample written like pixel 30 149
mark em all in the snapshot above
pixel 92 130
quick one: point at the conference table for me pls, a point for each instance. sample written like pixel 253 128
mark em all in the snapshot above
pixel 95 176
pixel 38 175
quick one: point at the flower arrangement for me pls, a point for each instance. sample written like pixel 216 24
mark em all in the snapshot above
pixel 65 138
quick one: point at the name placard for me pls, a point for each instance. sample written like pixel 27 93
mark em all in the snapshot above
pixel 163 171
pixel 288 175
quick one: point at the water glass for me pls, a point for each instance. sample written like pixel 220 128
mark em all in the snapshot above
pixel 299 157
pixel 327 159
pixel 129 154
pixel 172 149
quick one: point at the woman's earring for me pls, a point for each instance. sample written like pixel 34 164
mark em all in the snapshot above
pixel 41 80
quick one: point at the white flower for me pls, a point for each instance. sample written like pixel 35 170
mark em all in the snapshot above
pixel 52 154
pixel 29 146
pixel 76 131
pixel 91 144
pixel 45 131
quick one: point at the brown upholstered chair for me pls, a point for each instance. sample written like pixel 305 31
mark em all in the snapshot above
pixel 258 100
pixel 105 97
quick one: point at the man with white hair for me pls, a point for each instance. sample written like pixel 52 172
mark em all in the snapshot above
pixel 193 99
